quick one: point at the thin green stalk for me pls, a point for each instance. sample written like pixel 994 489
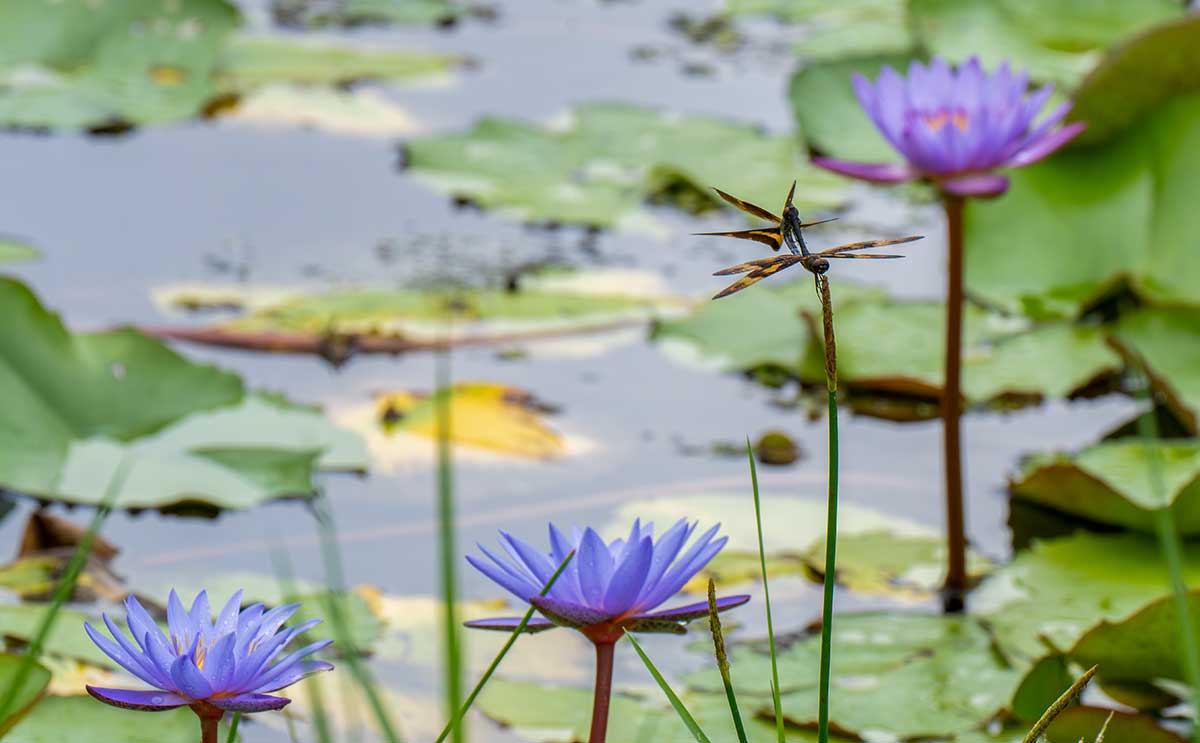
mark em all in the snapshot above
pixel 714 626
pixel 282 566
pixel 487 675
pixel 335 580
pixel 445 498
pixel 66 585
pixel 1064 700
pixel 233 726
pixel 672 697
pixel 1171 545
pixel 762 560
pixel 831 514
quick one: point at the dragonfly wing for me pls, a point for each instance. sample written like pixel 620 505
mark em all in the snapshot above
pixel 868 244
pixel 758 274
pixel 760 264
pixel 819 221
pixel 771 236
pixel 791 192
pixel 862 255
pixel 749 208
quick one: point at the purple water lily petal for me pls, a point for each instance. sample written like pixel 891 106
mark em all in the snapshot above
pixel 695 611
pixel 508 624
pixel 628 577
pixel 874 172
pixel 953 126
pixel 179 624
pixel 982 185
pixel 568 614
pixel 148 701
pixel 250 703
pixel 124 655
pixel 189 679
pixel 594 563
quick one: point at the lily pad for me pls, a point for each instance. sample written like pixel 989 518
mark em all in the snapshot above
pixel 1168 343
pixel 81 404
pixel 20 622
pixel 323 13
pixel 601 163
pixel 836 29
pixel 1084 723
pixel 887 669
pixel 1051 594
pixel 13 250
pixel 1143 646
pixel 79 718
pixel 1095 221
pixel 29 693
pixel 81 65
pixel 1056 40
pixel 251 61
pixel 1112 483
pixel 360 112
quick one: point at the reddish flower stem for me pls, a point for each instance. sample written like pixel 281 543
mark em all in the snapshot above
pixel 956 541
pixel 603 690
pixel 209 717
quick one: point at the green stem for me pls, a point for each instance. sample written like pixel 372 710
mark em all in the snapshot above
pixel 445 492
pixel 831 513
pixel 762 561
pixel 233 726
pixel 956 541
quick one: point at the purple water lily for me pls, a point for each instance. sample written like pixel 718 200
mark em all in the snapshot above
pixel 954 127
pixel 211 666
pixel 606 590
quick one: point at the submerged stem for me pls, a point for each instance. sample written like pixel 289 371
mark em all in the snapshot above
pixel 602 694
pixel 956 540
pixel 831 514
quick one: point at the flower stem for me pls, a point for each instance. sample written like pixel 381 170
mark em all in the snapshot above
pixel 831 513
pixel 956 542
pixel 208 729
pixel 603 690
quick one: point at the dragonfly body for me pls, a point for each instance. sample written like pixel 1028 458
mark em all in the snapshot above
pixel 789 231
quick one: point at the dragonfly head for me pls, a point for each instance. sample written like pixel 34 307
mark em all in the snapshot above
pixel 818 265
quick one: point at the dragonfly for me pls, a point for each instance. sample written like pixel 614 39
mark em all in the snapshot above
pixel 788 230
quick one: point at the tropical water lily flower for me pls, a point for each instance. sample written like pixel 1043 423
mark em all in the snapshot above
pixel 609 587
pixel 230 664
pixel 955 127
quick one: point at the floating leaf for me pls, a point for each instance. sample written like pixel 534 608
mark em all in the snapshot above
pixel 83 403
pixel 881 562
pixel 27 696
pixel 836 29
pixel 80 65
pixel 343 321
pixel 602 162
pixel 1084 723
pixel 1049 595
pixel 364 113
pixel 1056 40
pixel 80 718
pixel 1112 483
pixel 251 61
pixel 13 250
pixel 320 13
pixel 1094 221
pixel 1143 646
pixel 20 622
pixel 1168 343
pixel 886 671
pixel 494 417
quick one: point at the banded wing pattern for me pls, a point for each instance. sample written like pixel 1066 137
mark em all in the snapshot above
pixel 769 236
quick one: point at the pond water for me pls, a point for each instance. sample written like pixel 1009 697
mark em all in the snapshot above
pixel 119 216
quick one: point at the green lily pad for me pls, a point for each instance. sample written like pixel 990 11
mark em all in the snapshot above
pixel 1143 646
pixel 830 115
pixel 318 14
pixel 882 563
pixel 600 164
pixel 251 61
pixel 79 718
pixel 1094 221
pixel 892 346
pixel 836 29
pixel 886 670
pixel 13 250
pixel 1168 343
pixel 79 65
pixel 66 639
pixel 1056 40
pixel 1112 483
pixel 1051 594
pixel 29 693
pixel 82 403
pixel 1140 73
pixel 1084 723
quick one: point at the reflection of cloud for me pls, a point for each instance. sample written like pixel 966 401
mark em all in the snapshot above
pixel 393 452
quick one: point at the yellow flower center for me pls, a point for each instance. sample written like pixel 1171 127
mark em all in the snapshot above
pixel 936 121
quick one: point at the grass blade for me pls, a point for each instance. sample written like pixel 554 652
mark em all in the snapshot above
pixel 233 726
pixel 680 709
pixel 66 585
pixel 491 669
pixel 714 626
pixel 762 560
pixel 336 590
pixel 1064 700
pixel 448 550
pixel 282 566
